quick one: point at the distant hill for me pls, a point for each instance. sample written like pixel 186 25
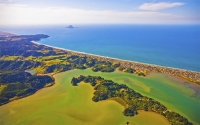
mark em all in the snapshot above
pixel 6 34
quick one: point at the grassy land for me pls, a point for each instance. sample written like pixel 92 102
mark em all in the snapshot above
pixel 66 104
pixel 2 87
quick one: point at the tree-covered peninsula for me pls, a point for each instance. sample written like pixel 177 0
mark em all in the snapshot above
pixel 107 89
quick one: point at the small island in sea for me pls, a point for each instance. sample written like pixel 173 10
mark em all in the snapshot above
pixel 26 67
pixel 70 27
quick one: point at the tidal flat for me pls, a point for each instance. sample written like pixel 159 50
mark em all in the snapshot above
pixel 67 104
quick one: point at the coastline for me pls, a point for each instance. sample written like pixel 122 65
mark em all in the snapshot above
pixel 125 63
pixel 139 67
pixel 118 59
pixel 78 52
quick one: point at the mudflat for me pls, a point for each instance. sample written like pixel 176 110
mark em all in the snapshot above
pixel 67 104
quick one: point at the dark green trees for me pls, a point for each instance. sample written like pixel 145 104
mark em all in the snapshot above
pixel 130 70
pixel 105 89
pixel 74 81
pixel 21 84
pixel 128 112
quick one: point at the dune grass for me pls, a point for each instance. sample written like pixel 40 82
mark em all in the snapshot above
pixel 2 87
pixel 9 58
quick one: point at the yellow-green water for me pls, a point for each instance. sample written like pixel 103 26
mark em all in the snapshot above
pixel 67 104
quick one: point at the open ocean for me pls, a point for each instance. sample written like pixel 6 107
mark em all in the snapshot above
pixel 175 46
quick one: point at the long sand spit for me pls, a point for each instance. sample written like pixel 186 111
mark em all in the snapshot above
pixel 189 76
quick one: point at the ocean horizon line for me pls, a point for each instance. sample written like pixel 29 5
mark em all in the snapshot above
pixel 161 24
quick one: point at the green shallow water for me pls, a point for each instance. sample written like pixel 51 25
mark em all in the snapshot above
pixel 176 94
pixel 66 104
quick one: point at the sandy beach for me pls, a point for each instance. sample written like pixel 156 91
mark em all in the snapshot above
pixel 84 53
pixel 189 76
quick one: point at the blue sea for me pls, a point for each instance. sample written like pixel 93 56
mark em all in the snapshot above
pixel 175 46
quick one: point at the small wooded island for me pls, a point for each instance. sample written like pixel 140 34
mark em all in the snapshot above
pixel 20 56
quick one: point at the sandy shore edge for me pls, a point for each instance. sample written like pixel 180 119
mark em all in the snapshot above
pixel 112 57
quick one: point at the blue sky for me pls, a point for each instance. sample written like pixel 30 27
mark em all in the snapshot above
pixel 33 12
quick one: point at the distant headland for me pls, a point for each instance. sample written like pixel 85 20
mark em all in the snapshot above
pixel 70 27
pixel 6 34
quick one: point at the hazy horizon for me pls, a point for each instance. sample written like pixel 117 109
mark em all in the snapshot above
pixel 23 12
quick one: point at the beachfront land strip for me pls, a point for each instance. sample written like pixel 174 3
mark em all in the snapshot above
pixel 20 55
pixel 56 60
pixel 27 66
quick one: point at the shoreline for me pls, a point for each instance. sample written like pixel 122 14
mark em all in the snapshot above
pixel 78 52
pixel 139 67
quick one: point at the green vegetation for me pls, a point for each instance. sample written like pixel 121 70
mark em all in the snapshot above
pixel 2 87
pixel 105 67
pixel 19 84
pixel 17 55
pixel 106 89
pixel 130 70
